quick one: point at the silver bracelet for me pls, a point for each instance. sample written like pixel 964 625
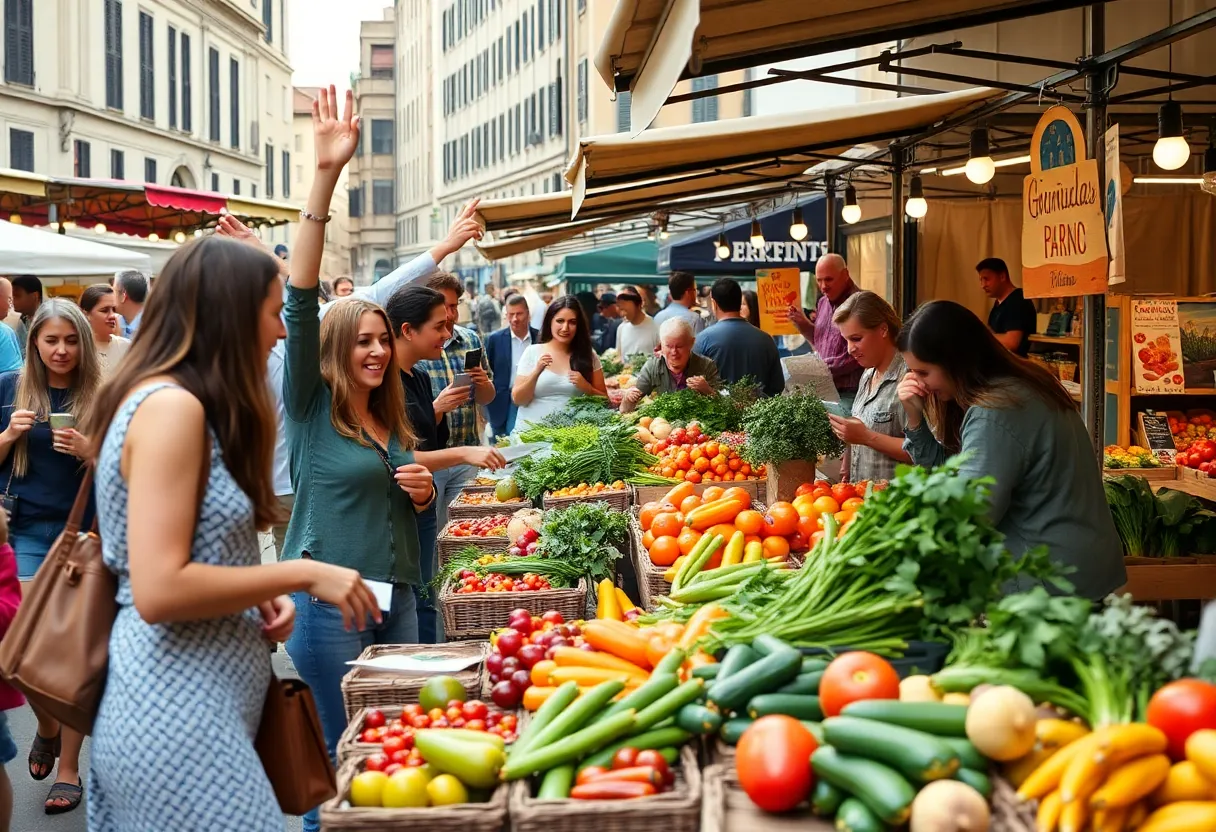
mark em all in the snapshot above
pixel 308 215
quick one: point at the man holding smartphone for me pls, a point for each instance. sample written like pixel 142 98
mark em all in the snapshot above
pixel 460 381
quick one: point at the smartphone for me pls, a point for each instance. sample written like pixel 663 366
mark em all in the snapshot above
pixel 472 359
pixel 835 409
pixel 463 380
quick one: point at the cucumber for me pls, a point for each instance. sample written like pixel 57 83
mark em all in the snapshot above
pixel 666 707
pixel 826 799
pixel 671 662
pixel 816 729
pixel 568 749
pixel 707 672
pixel 790 704
pixel 737 658
pixel 577 715
pixel 669 754
pixel 968 755
pixel 931 717
pixel 977 780
pixel 658 686
pixel 769 673
pixel 698 719
pixel 813 664
pixel 660 738
pixel 732 729
pixel 545 714
pixel 855 816
pixel 556 783
pixel 806 684
pixel 766 645
pixel 881 788
pixel 918 756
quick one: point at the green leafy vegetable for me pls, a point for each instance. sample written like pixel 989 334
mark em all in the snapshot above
pixel 614 454
pixel 715 414
pixel 792 426
pixel 1166 524
pixel 581 410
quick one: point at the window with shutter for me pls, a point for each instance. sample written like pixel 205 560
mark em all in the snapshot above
pixel 582 91
pixel 623 102
pixel 501 58
pixel 113 38
pixel 270 171
pixel 213 93
pixel 187 92
pixel 286 175
pixel 268 19
pixel 540 24
pixel 557 18
pixel 382 136
pixel 711 103
pixel 19 42
pixel 705 109
pixel 81 166
pixel 236 186
pixel 540 125
pixel 234 102
pixel 354 198
pixel 382 61
pixel 150 171
pixel 147 84
pixel 172 77
pixel 559 103
pixel 20 149
pixel 118 165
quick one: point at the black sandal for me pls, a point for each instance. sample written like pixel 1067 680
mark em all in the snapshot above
pixel 43 754
pixel 72 793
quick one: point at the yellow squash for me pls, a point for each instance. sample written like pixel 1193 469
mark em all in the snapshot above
pixel 1201 750
pixel 1074 816
pixel 607 605
pixel 1048 816
pixel 1184 783
pixel 1057 733
pixel 670 574
pixel 1120 743
pixel 734 550
pixel 1190 816
pixel 1110 820
pixel 622 598
pixel 1132 781
pixel 1046 778
pixel 753 552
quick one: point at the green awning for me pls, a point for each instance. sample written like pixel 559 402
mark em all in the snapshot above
pixel 627 263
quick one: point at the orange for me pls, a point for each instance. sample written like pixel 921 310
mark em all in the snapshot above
pixel 711 494
pixel 688 539
pixel 782 519
pixel 647 538
pixel 726 530
pixel 752 538
pixel 776 545
pixel 701 465
pixel 664 551
pixel 667 524
pixel 807 526
pixel 843 517
pixel 691 476
pixel 749 522
pixel 711 449
pixel 734 464
pixel 803 490
pixel 646 515
pixel 680 474
pixel 852 504
pixel 689 503
pixel 736 493
pixel 826 505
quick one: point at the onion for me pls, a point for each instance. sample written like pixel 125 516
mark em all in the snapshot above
pixel 521 521
pixel 644 435
pixel 660 429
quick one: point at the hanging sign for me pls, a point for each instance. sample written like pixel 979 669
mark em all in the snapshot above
pixel 1156 346
pixel 778 289
pixel 1063 228
pixel 1116 272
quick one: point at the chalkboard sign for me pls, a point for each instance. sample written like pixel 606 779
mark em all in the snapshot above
pixel 1155 435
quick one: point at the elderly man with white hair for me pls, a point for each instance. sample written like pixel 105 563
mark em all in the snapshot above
pixel 676 367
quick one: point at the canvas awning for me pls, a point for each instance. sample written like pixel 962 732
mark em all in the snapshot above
pixel 624 263
pixel 46 254
pixel 651 44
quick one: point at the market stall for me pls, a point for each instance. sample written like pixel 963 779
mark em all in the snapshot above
pixel 34 251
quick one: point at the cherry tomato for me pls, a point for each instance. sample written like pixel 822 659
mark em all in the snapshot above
pixel 377 762
pixel 476 725
pixel 436 713
pixel 400 757
pixel 475 709
pixel 508 722
pixel 392 768
pixel 454 713
pixel 421 721
pixel 373 719
pixel 392 745
pixel 625 758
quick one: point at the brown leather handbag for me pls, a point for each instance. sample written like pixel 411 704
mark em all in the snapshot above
pixel 292 748
pixel 58 647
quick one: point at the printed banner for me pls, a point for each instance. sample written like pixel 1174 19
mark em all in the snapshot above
pixel 777 290
pixel 1116 272
pixel 1156 346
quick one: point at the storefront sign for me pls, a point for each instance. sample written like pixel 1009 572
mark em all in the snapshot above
pixel 1063 229
pixel 1116 272
pixel 1156 346
pixel 777 290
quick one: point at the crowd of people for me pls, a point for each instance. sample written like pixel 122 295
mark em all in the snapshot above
pixel 347 427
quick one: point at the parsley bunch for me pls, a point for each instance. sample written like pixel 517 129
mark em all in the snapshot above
pixel 792 426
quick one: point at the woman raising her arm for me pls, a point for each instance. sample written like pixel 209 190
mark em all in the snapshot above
pixel 561 366
pixel 966 393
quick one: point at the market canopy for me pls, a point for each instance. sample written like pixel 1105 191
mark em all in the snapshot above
pixel 46 254
pixel 696 253
pixel 651 44
pixel 625 263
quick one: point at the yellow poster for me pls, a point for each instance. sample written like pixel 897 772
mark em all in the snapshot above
pixel 777 290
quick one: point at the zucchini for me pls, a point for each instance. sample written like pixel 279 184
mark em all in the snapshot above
pixel 732 729
pixel 670 754
pixel 545 714
pixel 671 662
pixel 816 729
pixel 556 783
pixel 806 684
pixel 881 788
pixel 577 715
pixel 659 738
pixel 767 674
pixel 977 780
pixel 658 686
pixel 855 816
pixel 707 672
pixel 968 755
pixel 931 717
pixel 568 749
pixel 826 799
pixel 766 645
pixel 790 704
pixel 813 664
pixel 918 756
pixel 737 658
pixel 667 706
pixel 698 719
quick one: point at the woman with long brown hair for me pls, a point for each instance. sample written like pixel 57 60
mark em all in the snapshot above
pixel 183 485
pixel 561 366
pixel 967 394
pixel 98 304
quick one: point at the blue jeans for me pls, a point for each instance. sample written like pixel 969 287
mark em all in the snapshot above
pixel 320 648
pixel 448 485
pixel 31 540
pixel 430 625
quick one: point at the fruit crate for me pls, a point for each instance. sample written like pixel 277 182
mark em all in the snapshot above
pixel 448 544
pixel 464 511
pixel 350 747
pixel 476 614
pixel 363 687
pixel 678 810
pixel 339 816
pixel 618 500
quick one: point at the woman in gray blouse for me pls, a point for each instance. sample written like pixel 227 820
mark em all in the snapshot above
pixel 874 433
pixel 965 393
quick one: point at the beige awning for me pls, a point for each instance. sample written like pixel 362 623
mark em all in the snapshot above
pixel 511 246
pixel 650 44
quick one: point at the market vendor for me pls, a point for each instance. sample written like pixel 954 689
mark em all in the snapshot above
pixel 1017 425
pixel 676 367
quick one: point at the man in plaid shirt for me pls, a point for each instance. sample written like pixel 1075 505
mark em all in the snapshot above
pixel 459 404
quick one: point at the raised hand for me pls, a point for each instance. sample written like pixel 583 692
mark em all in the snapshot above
pixel 336 138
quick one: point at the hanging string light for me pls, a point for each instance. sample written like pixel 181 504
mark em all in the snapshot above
pixel 916 206
pixel 757 236
pixel 851 212
pixel 980 167
pixel 721 246
pixel 798 228
pixel 1171 150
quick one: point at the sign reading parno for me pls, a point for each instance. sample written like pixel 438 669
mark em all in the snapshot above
pixel 778 252
pixel 1063 227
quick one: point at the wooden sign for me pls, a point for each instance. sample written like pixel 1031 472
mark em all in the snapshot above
pixel 1063 228
pixel 1156 346
pixel 778 290
pixel 1155 435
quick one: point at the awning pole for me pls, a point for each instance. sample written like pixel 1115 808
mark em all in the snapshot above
pixel 1093 340
pixel 829 207
pixel 897 228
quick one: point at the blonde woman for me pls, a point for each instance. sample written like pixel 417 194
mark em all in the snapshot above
pixel 41 469
pixel 98 304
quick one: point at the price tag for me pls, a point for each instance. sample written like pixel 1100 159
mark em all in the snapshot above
pixel 1155 435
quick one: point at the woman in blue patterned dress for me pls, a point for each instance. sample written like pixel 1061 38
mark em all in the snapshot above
pixel 183 483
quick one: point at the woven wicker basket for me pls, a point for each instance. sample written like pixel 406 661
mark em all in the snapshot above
pixel 476 615
pixel 448 545
pixel 465 511
pixel 726 808
pixel 678 810
pixel 364 688
pixel 617 500
pixel 349 746
pixel 463 817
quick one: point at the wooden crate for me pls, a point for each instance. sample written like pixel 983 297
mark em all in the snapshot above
pixel 1171 579
pixel 1163 474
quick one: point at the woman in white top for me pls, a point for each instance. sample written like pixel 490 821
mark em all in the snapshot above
pixel 98 304
pixel 561 366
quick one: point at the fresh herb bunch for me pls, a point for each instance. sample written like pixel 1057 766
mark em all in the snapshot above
pixel 715 414
pixel 792 426
pixel 637 361
pixel 1166 524
pixel 615 454
pixel 585 537
pixel 581 410
pixel 611 364
pixel 565 440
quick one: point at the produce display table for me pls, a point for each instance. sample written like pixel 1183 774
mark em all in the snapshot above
pixel 1171 579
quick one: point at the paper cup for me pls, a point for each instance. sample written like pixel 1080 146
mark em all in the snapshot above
pixel 62 421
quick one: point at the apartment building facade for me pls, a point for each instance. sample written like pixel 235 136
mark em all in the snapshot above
pixel 418 220
pixel 191 94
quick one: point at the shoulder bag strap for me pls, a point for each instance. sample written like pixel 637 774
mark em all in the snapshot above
pixel 82 501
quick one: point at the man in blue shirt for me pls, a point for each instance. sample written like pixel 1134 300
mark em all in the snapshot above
pixel 682 291
pixel 735 346
pixel 131 293
pixel 10 344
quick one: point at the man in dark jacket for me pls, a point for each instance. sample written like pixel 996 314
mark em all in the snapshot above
pixel 503 349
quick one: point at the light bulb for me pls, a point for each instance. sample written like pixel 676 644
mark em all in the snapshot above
pixel 1171 151
pixel 179 237
pixel 721 247
pixel 100 228
pixel 198 232
pixel 69 225
pixel 980 168
pixel 153 237
pixel 851 212
pixel 663 235
pixel 14 218
pixel 797 226
pixel 916 206
pixel 757 238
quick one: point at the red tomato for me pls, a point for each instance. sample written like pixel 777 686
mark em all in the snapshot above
pixel 624 758
pixel 374 719
pixel 654 759
pixel 475 709
pixel 842 491
pixel 392 745
pixel 377 762
pixel 1180 709
pixel 773 762
pixel 411 711
pixel 392 768
pixel 855 676
pixel 400 757
pixel 369 735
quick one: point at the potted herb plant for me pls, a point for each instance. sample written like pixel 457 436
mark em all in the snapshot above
pixel 788 433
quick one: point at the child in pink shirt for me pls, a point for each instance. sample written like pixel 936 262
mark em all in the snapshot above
pixel 10 698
